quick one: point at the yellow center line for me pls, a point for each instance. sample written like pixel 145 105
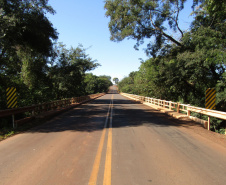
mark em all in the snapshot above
pixel 96 165
pixel 95 170
pixel 107 171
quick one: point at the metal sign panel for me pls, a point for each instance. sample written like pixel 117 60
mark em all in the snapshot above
pixel 210 98
pixel 11 97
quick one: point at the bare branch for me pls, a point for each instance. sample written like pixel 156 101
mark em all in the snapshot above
pixel 166 35
pixel 182 34
pixel 175 20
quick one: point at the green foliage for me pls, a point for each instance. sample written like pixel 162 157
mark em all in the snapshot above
pixel 184 73
pixel 6 132
pixel 9 134
pixel 96 84
pixel 221 131
pixel 68 71
pixel 139 20
pixel 31 61
pixel 127 84
pixel 24 27
pixel 116 80
pixel 221 95
pixel 26 44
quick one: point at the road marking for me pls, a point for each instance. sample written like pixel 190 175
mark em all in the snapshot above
pixel 107 170
pixel 96 165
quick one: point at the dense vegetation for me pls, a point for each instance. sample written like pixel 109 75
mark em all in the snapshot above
pixel 32 61
pixel 181 68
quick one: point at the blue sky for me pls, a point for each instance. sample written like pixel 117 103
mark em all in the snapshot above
pixel 84 22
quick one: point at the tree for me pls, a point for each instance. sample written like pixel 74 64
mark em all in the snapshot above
pixel 91 82
pixel 116 80
pixel 127 84
pixel 97 84
pixel 26 45
pixel 184 74
pixel 103 84
pixel 68 71
pixel 24 26
pixel 106 76
pixel 138 19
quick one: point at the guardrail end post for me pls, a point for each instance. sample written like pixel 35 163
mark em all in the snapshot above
pixel 208 123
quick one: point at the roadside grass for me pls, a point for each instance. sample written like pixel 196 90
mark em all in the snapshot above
pixel 7 132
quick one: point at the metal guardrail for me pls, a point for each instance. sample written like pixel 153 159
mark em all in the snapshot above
pixel 44 107
pixel 178 107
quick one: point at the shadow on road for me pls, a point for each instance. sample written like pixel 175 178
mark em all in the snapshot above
pixel 91 117
pixel 115 101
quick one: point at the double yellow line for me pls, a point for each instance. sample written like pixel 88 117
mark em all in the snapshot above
pixel 96 165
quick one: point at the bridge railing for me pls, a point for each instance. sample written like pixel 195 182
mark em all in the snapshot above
pixel 35 110
pixel 180 108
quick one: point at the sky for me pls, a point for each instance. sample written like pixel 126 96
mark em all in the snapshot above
pixel 84 22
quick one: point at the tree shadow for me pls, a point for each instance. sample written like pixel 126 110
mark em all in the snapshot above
pixel 92 116
pixel 115 101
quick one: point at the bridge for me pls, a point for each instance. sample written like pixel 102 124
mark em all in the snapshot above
pixel 114 140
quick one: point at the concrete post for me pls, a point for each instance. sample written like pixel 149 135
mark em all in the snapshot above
pixel 208 123
pixel 178 107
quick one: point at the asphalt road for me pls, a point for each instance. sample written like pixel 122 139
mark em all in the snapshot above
pixel 111 140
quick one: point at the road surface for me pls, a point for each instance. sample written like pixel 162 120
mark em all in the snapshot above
pixel 112 140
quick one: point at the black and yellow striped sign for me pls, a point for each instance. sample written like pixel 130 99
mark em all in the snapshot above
pixel 210 99
pixel 11 97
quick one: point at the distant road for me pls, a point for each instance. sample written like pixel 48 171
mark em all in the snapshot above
pixel 112 140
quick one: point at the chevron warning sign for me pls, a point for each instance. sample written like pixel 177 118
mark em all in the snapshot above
pixel 11 97
pixel 210 98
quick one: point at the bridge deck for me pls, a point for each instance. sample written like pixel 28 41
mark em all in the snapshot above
pixel 113 140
